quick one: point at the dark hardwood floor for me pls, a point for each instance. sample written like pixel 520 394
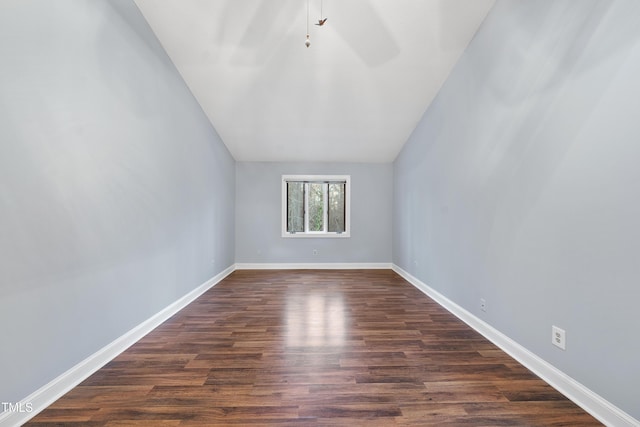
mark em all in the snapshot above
pixel 313 348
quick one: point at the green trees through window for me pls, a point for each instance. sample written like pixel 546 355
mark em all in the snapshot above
pixel 316 206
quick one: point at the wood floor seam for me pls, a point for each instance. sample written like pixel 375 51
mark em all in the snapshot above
pixel 313 348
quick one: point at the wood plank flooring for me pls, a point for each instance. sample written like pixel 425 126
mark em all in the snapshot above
pixel 313 348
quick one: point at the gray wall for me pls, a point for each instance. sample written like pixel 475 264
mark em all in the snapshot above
pixel 258 215
pixel 520 185
pixel 116 194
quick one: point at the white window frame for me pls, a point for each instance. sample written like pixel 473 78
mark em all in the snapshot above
pixel 318 178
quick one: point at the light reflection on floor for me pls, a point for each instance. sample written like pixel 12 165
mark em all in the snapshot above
pixel 315 319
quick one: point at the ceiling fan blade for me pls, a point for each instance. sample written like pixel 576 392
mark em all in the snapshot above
pixel 265 29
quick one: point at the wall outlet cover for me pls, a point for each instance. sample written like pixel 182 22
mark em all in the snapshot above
pixel 559 337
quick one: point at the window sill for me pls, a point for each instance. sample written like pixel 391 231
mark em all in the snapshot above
pixel 316 235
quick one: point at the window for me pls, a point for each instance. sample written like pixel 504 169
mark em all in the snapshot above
pixel 315 205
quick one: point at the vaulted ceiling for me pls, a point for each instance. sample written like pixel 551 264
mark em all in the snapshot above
pixel 355 94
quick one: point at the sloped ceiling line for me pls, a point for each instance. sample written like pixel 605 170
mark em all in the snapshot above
pixel 354 96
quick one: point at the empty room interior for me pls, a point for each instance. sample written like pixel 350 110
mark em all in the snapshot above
pixel 319 212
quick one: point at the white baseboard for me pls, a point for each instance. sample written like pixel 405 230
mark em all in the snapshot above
pixel 600 408
pixel 315 266
pixel 49 393
pixel 591 402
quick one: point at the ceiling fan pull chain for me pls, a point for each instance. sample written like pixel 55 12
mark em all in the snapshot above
pixel 307 42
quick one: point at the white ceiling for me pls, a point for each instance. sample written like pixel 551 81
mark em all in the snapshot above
pixel 355 95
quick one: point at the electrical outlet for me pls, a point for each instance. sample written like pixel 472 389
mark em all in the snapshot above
pixel 315 252
pixel 483 304
pixel 558 337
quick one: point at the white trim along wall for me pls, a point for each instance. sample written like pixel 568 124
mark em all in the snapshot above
pixel 40 399
pixel 600 408
pixel 591 402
